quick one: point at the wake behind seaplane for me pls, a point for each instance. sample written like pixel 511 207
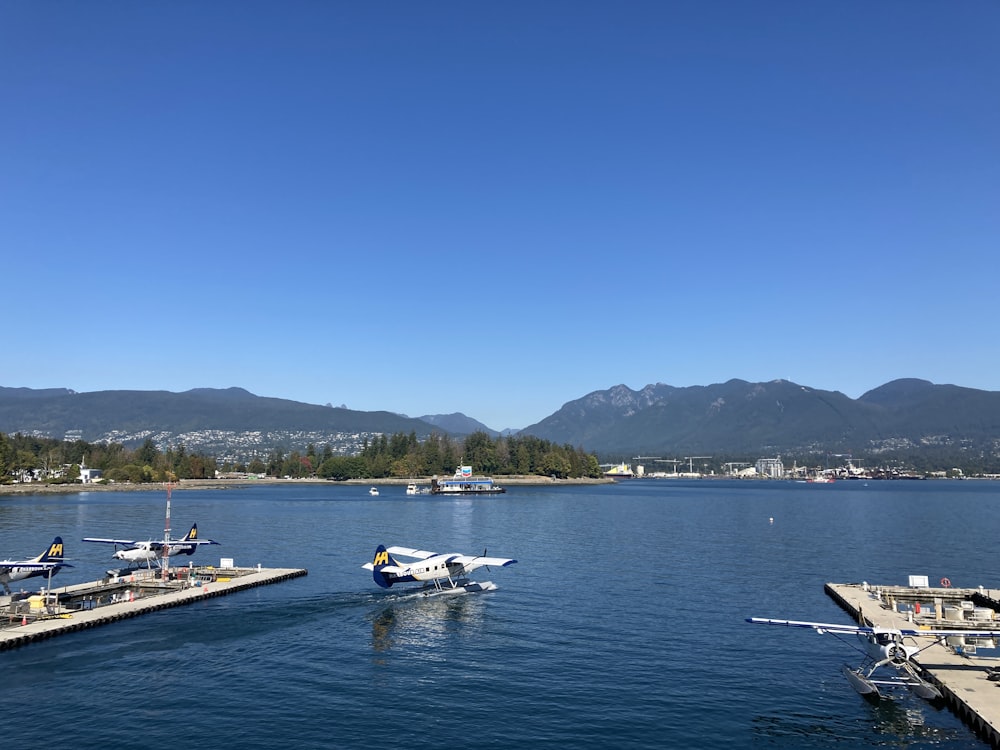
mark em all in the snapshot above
pixel 46 564
pixel 151 551
pixel 888 653
pixel 439 573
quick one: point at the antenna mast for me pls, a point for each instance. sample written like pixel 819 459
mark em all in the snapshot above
pixel 166 537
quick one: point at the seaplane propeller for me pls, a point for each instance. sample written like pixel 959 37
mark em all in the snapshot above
pixel 889 661
pixel 470 564
pixel 897 655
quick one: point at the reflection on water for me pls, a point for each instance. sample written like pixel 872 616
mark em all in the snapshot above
pixel 428 623
pixel 902 719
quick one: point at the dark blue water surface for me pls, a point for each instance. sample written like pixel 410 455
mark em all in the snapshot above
pixel 621 625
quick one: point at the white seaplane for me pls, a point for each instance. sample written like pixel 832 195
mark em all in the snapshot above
pixel 149 552
pixel 888 654
pixel 439 573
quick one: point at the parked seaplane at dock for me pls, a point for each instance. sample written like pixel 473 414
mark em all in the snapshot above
pixel 153 551
pixel 47 564
pixel 888 653
pixel 438 573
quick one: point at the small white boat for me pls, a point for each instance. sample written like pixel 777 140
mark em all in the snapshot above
pixel 413 489
pixel 373 491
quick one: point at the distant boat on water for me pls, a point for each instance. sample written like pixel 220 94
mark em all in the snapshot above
pixel 373 491
pixel 463 483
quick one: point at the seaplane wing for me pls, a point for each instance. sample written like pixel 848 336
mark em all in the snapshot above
pixel 188 542
pixel 471 562
pixel 428 567
pixel 138 551
pixel 468 561
pixel 420 554
pixel 120 542
pixel 822 627
pixel 189 539
pixel 826 627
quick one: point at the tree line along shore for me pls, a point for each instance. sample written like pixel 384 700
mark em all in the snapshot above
pixel 399 457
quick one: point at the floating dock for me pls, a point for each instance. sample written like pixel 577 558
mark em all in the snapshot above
pixel 958 670
pixel 27 619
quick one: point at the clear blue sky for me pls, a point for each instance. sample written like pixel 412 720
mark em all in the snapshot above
pixel 496 208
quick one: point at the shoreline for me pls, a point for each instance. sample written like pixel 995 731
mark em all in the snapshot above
pixel 231 484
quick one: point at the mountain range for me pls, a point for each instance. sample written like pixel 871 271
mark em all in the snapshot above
pixel 736 418
pixel 741 418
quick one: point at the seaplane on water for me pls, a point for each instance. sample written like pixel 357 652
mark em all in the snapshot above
pixel 152 551
pixel 888 654
pixel 46 564
pixel 439 573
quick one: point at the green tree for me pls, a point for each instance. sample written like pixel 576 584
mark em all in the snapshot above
pixel 6 458
pixel 407 466
pixel 148 453
pixel 342 467
pixel 555 463
pixel 480 453
pixel 275 460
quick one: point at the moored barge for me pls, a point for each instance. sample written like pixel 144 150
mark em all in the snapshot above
pixel 463 483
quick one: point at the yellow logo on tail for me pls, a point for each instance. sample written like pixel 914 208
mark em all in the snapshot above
pixel 381 558
pixel 56 550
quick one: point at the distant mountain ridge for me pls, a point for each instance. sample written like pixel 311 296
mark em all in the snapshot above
pixel 225 422
pixel 742 418
pixel 734 418
pixel 57 410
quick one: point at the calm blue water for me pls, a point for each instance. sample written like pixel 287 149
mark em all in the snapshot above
pixel 622 625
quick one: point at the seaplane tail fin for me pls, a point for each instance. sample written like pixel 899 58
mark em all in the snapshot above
pixel 383 563
pixel 193 540
pixel 191 536
pixel 54 553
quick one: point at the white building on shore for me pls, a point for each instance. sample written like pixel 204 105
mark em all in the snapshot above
pixel 772 468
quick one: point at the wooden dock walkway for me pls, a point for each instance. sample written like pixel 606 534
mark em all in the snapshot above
pixel 961 678
pixel 103 602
